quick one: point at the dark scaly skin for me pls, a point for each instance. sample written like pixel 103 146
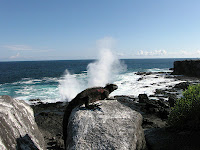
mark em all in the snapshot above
pixel 86 97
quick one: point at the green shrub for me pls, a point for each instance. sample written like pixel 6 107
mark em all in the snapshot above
pixel 186 111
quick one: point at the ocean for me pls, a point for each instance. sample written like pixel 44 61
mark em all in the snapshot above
pixel 52 81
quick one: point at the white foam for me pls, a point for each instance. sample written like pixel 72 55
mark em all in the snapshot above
pixel 71 84
pixel 129 84
pixel 31 81
pixel 159 70
pixel 50 79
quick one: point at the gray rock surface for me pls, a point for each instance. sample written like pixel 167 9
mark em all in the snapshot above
pixel 114 126
pixel 18 129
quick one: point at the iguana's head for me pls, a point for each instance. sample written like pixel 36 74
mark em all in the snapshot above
pixel 111 87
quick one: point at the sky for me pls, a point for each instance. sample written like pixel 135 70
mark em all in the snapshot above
pixel 73 29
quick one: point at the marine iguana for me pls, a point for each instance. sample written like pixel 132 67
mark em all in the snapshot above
pixel 86 97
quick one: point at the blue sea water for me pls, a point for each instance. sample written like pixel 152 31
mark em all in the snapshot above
pixel 27 80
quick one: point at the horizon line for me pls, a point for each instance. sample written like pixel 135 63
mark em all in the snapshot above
pixel 89 59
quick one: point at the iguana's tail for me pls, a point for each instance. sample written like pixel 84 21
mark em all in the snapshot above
pixel 66 116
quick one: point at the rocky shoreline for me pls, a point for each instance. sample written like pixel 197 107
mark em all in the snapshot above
pixel 153 108
pixel 137 121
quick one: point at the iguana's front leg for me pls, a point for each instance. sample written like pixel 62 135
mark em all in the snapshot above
pixel 91 106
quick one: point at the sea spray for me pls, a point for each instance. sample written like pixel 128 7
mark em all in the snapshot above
pixel 99 73
pixel 69 86
pixel 105 69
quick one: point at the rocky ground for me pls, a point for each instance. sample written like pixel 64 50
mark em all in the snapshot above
pixel 154 110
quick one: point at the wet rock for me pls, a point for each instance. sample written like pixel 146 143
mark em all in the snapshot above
pixel 152 121
pixel 163 103
pixel 163 113
pixel 124 98
pixel 172 100
pixel 160 91
pixel 144 73
pixel 182 85
pixel 35 101
pixel 157 107
pixel 140 79
pixel 143 98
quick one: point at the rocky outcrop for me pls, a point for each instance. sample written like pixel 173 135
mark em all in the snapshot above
pixel 18 129
pixel 187 67
pixel 158 107
pixel 182 85
pixel 113 126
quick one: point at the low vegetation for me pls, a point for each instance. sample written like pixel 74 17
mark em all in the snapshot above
pixel 186 112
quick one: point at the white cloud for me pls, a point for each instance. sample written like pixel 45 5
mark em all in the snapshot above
pixel 152 53
pixel 15 56
pixel 18 47
pixel 185 53
pixel 198 52
pixel 25 48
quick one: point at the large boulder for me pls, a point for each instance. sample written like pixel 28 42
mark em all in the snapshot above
pixel 18 129
pixel 114 126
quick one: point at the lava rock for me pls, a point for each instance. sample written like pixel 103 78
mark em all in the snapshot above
pixel 182 85
pixel 187 67
pixel 157 107
pixel 143 98
pixel 172 100
pixel 144 73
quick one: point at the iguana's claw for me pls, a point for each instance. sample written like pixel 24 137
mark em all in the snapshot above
pixel 97 105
